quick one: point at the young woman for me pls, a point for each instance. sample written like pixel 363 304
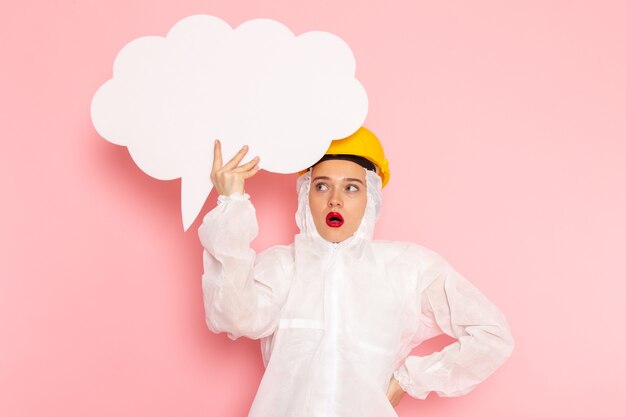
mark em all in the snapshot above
pixel 337 312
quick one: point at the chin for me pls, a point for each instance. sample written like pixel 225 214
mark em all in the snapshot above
pixel 337 236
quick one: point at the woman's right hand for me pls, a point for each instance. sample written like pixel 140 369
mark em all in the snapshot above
pixel 229 179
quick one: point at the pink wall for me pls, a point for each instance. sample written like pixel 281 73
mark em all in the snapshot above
pixel 505 127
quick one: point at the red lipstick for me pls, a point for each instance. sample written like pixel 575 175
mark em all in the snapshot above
pixel 334 219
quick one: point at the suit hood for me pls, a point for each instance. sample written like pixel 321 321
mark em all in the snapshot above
pixel 365 231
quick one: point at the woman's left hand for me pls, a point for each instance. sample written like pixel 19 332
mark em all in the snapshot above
pixel 394 392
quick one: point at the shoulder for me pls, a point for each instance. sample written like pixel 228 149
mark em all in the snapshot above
pixel 278 250
pixel 279 254
pixel 421 265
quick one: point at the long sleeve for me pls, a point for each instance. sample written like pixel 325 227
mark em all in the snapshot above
pixel 242 291
pixel 452 305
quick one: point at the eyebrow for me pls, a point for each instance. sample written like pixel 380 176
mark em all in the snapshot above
pixel 323 177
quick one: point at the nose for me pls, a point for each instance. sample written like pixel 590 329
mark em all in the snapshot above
pixel 335 199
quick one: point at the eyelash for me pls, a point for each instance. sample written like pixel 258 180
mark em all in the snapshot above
pixel 321 184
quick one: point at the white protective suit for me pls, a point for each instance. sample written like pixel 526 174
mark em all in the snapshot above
pixel 337 320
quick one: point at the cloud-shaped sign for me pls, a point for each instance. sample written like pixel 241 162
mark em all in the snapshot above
pixel 285 96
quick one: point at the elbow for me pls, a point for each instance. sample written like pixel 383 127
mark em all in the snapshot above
pixel 503 341
pixel 507 341
pixel 509 345
pixel 217 324
pixel 497 342
pixel 503 344
pixel 236 327
pixel 232 332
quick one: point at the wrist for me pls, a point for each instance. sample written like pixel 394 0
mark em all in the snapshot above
pixel 236 196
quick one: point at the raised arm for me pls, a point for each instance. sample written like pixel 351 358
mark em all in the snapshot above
pixel 454 306
pixel 242 292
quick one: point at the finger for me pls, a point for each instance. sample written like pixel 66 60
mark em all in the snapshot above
pixel 217 155
pixel 247 166
pixel 235 160
pixel 252 172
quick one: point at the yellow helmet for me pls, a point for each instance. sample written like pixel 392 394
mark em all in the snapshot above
pixel 365 144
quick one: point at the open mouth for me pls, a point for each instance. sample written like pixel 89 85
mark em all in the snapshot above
pixel 334 219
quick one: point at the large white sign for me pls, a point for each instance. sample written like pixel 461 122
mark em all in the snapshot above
pixel 285 96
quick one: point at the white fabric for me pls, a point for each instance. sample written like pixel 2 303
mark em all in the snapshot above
pixel 337 320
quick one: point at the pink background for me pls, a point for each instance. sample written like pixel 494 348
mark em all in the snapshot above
pixel 505 126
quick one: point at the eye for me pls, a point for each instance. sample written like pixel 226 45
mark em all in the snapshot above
pixel 320 186
pixel 352 188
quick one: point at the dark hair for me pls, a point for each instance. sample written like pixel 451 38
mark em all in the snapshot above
pixel 365 163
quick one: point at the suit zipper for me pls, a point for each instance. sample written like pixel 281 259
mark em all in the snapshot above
pixel 332 331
